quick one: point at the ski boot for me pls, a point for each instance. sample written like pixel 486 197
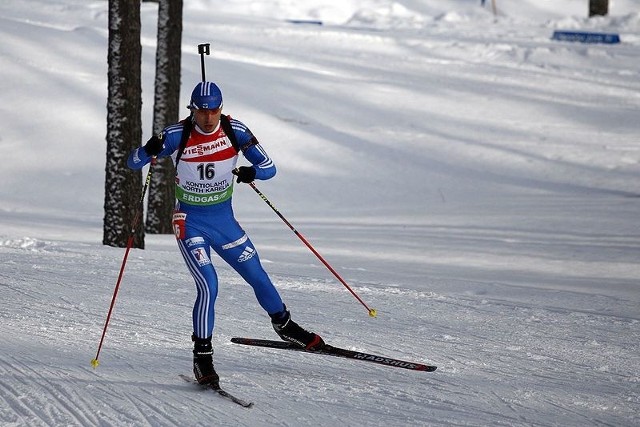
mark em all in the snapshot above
pixel 203 362
pixel 290 331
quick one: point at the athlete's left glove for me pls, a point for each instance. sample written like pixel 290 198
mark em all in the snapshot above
pixel 154 145
pixel 245 174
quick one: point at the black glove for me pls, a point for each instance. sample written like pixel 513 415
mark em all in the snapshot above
pixel 245 174
pixel 154 145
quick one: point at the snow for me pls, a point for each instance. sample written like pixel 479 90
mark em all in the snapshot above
pixel 474 181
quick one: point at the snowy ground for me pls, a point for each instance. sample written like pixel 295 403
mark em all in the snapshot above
pixel 474 181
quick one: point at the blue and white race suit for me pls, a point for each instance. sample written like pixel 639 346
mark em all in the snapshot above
pixel 204 217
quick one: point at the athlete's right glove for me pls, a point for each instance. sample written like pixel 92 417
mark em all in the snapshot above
pixel 154 145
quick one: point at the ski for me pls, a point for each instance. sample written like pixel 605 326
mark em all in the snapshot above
pixel 337 351
pixel 220 391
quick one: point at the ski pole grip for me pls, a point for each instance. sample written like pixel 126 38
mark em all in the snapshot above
pixel 203 49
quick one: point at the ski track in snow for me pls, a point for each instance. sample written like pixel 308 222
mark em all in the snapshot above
pixel 569 365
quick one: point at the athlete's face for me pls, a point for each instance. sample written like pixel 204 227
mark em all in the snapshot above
pixel 207 120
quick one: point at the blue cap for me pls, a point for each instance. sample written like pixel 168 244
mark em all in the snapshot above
pixel 206 95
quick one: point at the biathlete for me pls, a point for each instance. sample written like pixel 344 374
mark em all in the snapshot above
pixel 205 148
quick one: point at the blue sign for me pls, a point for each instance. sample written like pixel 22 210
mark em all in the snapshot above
pixel 586 37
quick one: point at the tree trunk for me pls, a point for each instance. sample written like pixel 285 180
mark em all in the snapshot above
pixel 598 7
pixel 124 128
pixel 165 111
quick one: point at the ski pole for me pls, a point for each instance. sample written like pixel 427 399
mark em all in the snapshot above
pixel 372 312
pixel 95 362
pixel 203 49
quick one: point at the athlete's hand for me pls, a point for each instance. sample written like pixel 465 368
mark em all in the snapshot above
pixel 154 145
pixel 245 174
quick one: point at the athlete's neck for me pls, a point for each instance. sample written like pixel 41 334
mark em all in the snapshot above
pixel 199 130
